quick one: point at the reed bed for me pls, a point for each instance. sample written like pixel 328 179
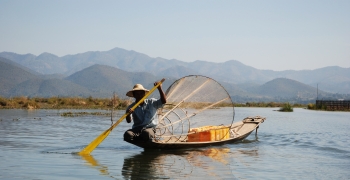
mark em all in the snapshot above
pixel 63 103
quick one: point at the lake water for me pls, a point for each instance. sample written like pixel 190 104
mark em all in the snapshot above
pixel 304 144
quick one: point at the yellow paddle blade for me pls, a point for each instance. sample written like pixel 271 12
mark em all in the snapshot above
pixel 89 148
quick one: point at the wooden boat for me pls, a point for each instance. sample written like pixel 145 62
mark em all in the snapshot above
pixel 238 131
pixel 194 104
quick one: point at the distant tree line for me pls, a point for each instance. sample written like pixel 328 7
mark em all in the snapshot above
pixel 269 104
pixel 63 103
pixel 57 102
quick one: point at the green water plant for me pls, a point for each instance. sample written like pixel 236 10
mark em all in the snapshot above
pixel 286 108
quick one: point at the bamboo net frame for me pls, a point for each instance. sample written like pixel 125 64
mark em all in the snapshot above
pixel 193 101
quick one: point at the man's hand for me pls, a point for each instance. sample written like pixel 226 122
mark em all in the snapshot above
pixel 128 117
pixel 130 111
pixel 159 87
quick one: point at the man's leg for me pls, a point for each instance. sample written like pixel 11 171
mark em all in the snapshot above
pixel 147 134
pixel 131 134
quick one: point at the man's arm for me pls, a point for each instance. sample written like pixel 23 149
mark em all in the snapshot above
pixel 128 117
pixel 161 93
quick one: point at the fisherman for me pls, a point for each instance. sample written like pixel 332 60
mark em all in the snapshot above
pixel 144 115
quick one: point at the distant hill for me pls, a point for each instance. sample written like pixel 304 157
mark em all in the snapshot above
pixel 4 60
pixel 50 88
pixel 230 71
pixel 11 75
pixel 333 79
pixel 286 88
pixel 96 81
pixel 103 80
pixel 45 63
pixel 177 72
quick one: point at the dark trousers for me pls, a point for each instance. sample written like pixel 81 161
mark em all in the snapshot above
pixel 139 134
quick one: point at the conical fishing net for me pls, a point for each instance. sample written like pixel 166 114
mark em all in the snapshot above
pixel 194 104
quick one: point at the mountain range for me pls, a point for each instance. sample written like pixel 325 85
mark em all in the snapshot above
pixel 99 74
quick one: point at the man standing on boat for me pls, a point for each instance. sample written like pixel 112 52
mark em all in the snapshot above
pixel 145 115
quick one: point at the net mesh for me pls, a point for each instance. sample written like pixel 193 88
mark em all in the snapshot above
pixel 193 102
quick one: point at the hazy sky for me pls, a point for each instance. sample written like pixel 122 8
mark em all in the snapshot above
pixel 265 34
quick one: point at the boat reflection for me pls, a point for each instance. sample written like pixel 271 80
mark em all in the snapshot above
pixel 149 164
pixel 220 155
pixel 179 164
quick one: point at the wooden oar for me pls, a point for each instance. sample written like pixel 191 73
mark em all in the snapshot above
pixel 89 148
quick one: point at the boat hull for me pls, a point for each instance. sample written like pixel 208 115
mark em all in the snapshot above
pixel 243 129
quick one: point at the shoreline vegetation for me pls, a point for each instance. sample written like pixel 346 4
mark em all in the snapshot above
pixel 101 103
pixel 63 103
pixel 117 103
